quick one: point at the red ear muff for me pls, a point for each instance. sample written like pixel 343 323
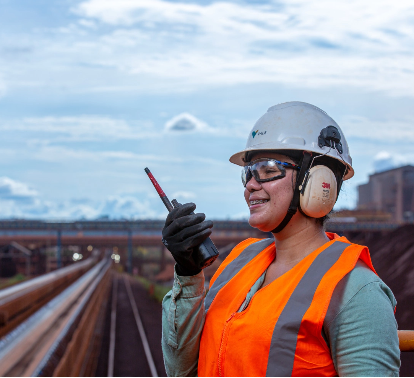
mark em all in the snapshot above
pixel 319 196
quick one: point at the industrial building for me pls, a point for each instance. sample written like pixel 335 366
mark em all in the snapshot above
pixel 390 192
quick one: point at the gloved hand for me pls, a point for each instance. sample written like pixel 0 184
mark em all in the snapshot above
pixel 182 233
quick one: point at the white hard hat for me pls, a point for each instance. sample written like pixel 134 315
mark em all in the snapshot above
pixel 297 126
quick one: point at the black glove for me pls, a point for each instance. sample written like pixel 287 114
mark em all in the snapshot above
pixel 182 234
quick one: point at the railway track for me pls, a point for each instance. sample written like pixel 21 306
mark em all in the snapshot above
pixel 20 301
pixel 133 342
pixel 60 338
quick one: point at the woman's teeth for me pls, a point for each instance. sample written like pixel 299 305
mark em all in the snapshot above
pixel 257 202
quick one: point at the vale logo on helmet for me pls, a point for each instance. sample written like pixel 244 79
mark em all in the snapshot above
pixel 254 133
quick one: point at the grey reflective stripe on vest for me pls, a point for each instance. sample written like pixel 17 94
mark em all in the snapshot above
pixel 284 338
pixel 234 267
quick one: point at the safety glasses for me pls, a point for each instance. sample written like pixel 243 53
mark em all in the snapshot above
pixel 264 170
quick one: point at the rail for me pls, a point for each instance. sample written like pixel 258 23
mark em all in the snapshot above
pixel 129 331
pixel 61 338
pixel 406 339
pixel 20 301
pixel 140 326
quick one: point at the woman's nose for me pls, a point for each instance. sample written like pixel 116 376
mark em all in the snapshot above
pixel 253 185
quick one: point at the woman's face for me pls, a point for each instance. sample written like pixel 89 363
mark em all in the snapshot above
pixel 274 196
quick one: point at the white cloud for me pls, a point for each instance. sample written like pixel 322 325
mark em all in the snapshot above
pixel 127 207
pixel 42 209
pixel 159 46
pixel 98 128
pixel 298 42
pixel 45 134
pixel 81 127
pixel 18 200
pixel 3 88
pixel 185 122
pixel 382 155
pixel 385 160
pixel 182 196
pixel 87 23
pixel 64 154
pixel 15 190
pixel 219 18
pixel 384 130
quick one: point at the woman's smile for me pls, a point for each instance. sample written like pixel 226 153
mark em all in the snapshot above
pixel 257 202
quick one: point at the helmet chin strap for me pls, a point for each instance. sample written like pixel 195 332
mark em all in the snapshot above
pixel 293 207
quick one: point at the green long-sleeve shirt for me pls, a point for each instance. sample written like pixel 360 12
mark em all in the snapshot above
pixel 359 328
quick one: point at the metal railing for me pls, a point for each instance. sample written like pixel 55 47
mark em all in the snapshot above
pixel 406 339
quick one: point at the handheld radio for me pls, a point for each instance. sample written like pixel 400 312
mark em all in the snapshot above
pixel 206 253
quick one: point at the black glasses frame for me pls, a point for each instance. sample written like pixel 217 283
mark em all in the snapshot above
pixel 247 172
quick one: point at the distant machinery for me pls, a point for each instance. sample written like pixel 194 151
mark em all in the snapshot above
pixel 8 255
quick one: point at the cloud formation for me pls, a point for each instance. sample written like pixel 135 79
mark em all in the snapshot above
pixel 99 128
pixel 160 46
pixel 182 196
pixel 16 191
pixel 81 128
pixel 399 129
pixel 297 42
pixel 385 160
pixel 126 207
pixel 3 87
pixel 64 154
pixel 88 94
pixel 18 200
pixel 186 122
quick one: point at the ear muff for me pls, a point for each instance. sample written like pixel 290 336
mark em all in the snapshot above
pixel 318 197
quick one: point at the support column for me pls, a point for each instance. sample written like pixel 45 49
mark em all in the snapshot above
pixel 28 267
pixel 129 264
pixel 59 249
pixel 162 260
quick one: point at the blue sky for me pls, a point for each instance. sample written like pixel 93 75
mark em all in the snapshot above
pixel 91 93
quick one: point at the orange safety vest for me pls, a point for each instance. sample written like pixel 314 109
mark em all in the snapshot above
pixel 280 332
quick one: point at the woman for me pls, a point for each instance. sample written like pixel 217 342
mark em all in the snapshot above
pixel 306 303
